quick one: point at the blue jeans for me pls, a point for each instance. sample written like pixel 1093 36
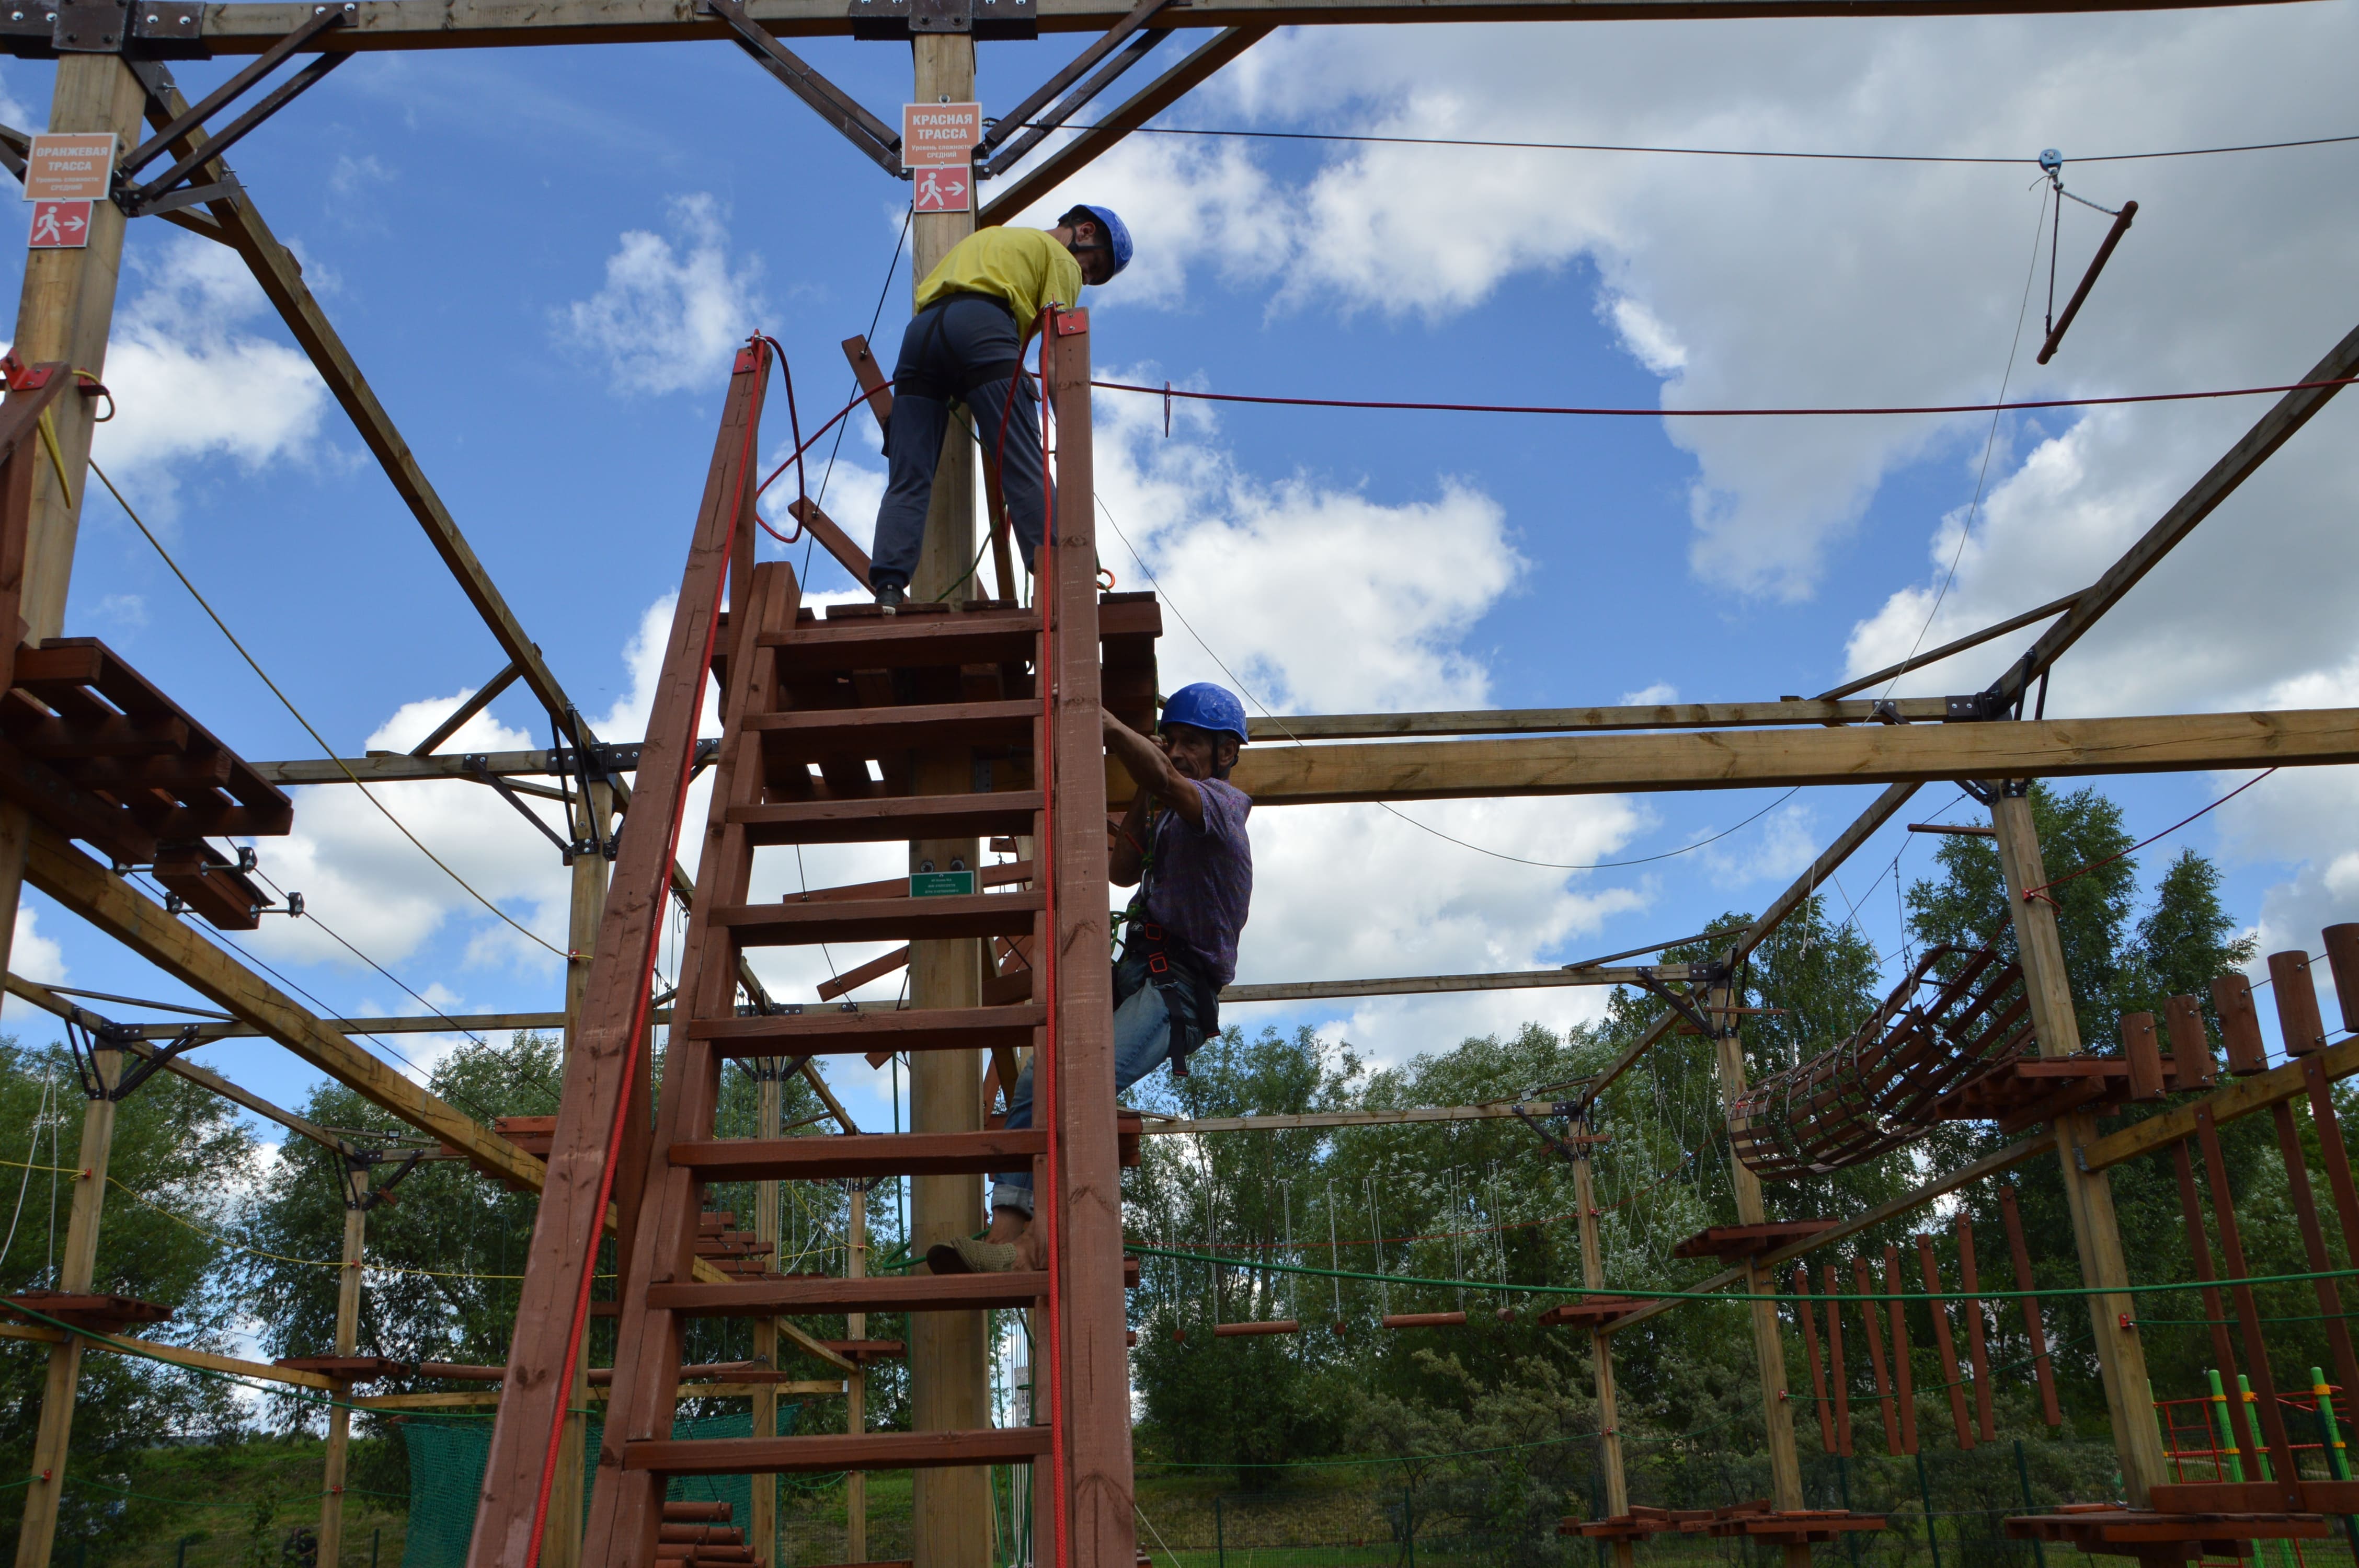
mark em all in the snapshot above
pixel 1142 1039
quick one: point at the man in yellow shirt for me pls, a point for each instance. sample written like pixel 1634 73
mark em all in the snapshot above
pixel 977 311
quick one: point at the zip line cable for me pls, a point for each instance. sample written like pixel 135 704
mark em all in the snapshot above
pixel 285 702
pixel 1709 152
pixel 1602 411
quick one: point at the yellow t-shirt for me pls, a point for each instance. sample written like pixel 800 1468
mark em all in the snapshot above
pixel 1025 267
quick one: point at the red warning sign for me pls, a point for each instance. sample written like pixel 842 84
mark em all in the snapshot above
pixel 59 225
pixel 941 190
pixel 940 136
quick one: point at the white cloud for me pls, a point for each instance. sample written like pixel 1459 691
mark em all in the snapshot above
pixel 1654 695
pixel 125 609
pixel 673 307
pixel 189 381
pixel 36 957
pixel 1650 343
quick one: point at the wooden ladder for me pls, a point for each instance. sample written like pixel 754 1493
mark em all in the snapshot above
pixel 808 704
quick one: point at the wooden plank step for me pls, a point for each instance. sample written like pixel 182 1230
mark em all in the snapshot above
pixel 881 920
pixel 888 818
pixel 836 1451
pixel 877 1292
pixel 866 1154
pixel 808 735
pixel 973 637
pixel 834 1034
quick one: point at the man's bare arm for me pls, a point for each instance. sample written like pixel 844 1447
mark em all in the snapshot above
pixel 1145 761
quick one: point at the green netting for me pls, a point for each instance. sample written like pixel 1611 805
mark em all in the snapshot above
pixel 446 1478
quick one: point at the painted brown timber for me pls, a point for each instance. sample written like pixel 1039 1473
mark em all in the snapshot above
pixel 1916 753
pixel 115 907
pixel 885 1293
pixel 836 1451
pixel 241 28
pixel 2240 1099
pixel 1540 720
pixel 875 1154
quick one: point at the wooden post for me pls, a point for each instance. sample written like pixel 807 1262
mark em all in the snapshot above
pixel 1091 1359
pixel 2088 1195
pixel 1601 1356
pixel 949 1351
pixel 76 1269
pixel 855 1383
pixel 348 1339
pixel 560 1538
pixel 762 1520
pixel 1768 1346
pixel 63 313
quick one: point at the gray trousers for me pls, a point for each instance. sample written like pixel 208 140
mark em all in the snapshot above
pixel 963 349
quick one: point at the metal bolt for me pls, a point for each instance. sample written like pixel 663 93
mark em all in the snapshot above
pixel 152 20
pixel 16 15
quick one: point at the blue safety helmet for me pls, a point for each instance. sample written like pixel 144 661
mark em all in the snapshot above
pixel 1206 707
pixel 1118 242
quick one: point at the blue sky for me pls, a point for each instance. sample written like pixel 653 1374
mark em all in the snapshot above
pixel 542 258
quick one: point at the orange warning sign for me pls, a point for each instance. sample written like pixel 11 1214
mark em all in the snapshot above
pixel 70 166
pixel 940 136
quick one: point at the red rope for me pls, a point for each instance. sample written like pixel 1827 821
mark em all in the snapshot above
pixel 1660 413
pixel 2031 893
pixel 643 995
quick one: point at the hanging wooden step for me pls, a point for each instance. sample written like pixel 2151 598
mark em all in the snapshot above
pixel 805 737
pixel 871 1154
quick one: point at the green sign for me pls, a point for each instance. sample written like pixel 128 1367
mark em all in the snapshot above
pixel 940 884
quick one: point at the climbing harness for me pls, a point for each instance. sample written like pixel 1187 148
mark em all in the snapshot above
pixel 2051 167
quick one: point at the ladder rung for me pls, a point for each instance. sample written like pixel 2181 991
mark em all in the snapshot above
pixel 866 1154
pixel 991 637
pixel 836 1451
pixel 876 1293
pixel 884 819
pixel 846 1034
pixel 808 734
pixel 881 920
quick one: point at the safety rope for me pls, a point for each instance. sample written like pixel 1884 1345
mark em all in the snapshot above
pixel 1659 412
pixel 2029 894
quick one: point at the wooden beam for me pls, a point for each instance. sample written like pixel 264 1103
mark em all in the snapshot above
pixel 2272 430
pixel 478 24
pixel 85 888
pixel 1542 720
pixel 2241 1098
pixel 1935 655
pixel 1990 1165
pixel 470 1399
pixel 1432 985
pixel 1916 753
pixel 177 1355
pixel 1149 100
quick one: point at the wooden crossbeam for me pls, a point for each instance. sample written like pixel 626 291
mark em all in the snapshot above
pixel 1607 764
pixel 479 24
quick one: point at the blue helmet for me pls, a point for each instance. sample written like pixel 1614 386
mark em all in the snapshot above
pixel 1206 707
pixel 1118 242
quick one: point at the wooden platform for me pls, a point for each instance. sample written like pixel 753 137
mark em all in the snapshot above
pixel 1796 1527
pixel 90 747
pixel 1730 1242
pixel 2107 1530
pixel 1596 1311
pixel 2018 1091
pixel 91 1313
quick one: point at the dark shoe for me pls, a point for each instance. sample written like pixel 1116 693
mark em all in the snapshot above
pixel 889 597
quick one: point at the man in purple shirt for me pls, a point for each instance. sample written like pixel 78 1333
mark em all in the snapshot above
pixel 1183 845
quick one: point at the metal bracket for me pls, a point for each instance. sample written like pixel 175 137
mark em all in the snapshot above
pixel 104 1035
pixel 1978 790
pixel 228 189
pixel 138 200
pixel 1975 708
pixel 368 1159
pixel 1681 1003
pixel 896 21
pixel 479 768
pixel 91 27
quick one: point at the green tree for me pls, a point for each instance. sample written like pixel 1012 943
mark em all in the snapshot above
pixel 178 1159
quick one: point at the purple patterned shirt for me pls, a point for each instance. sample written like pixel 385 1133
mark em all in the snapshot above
pixel 1200 887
